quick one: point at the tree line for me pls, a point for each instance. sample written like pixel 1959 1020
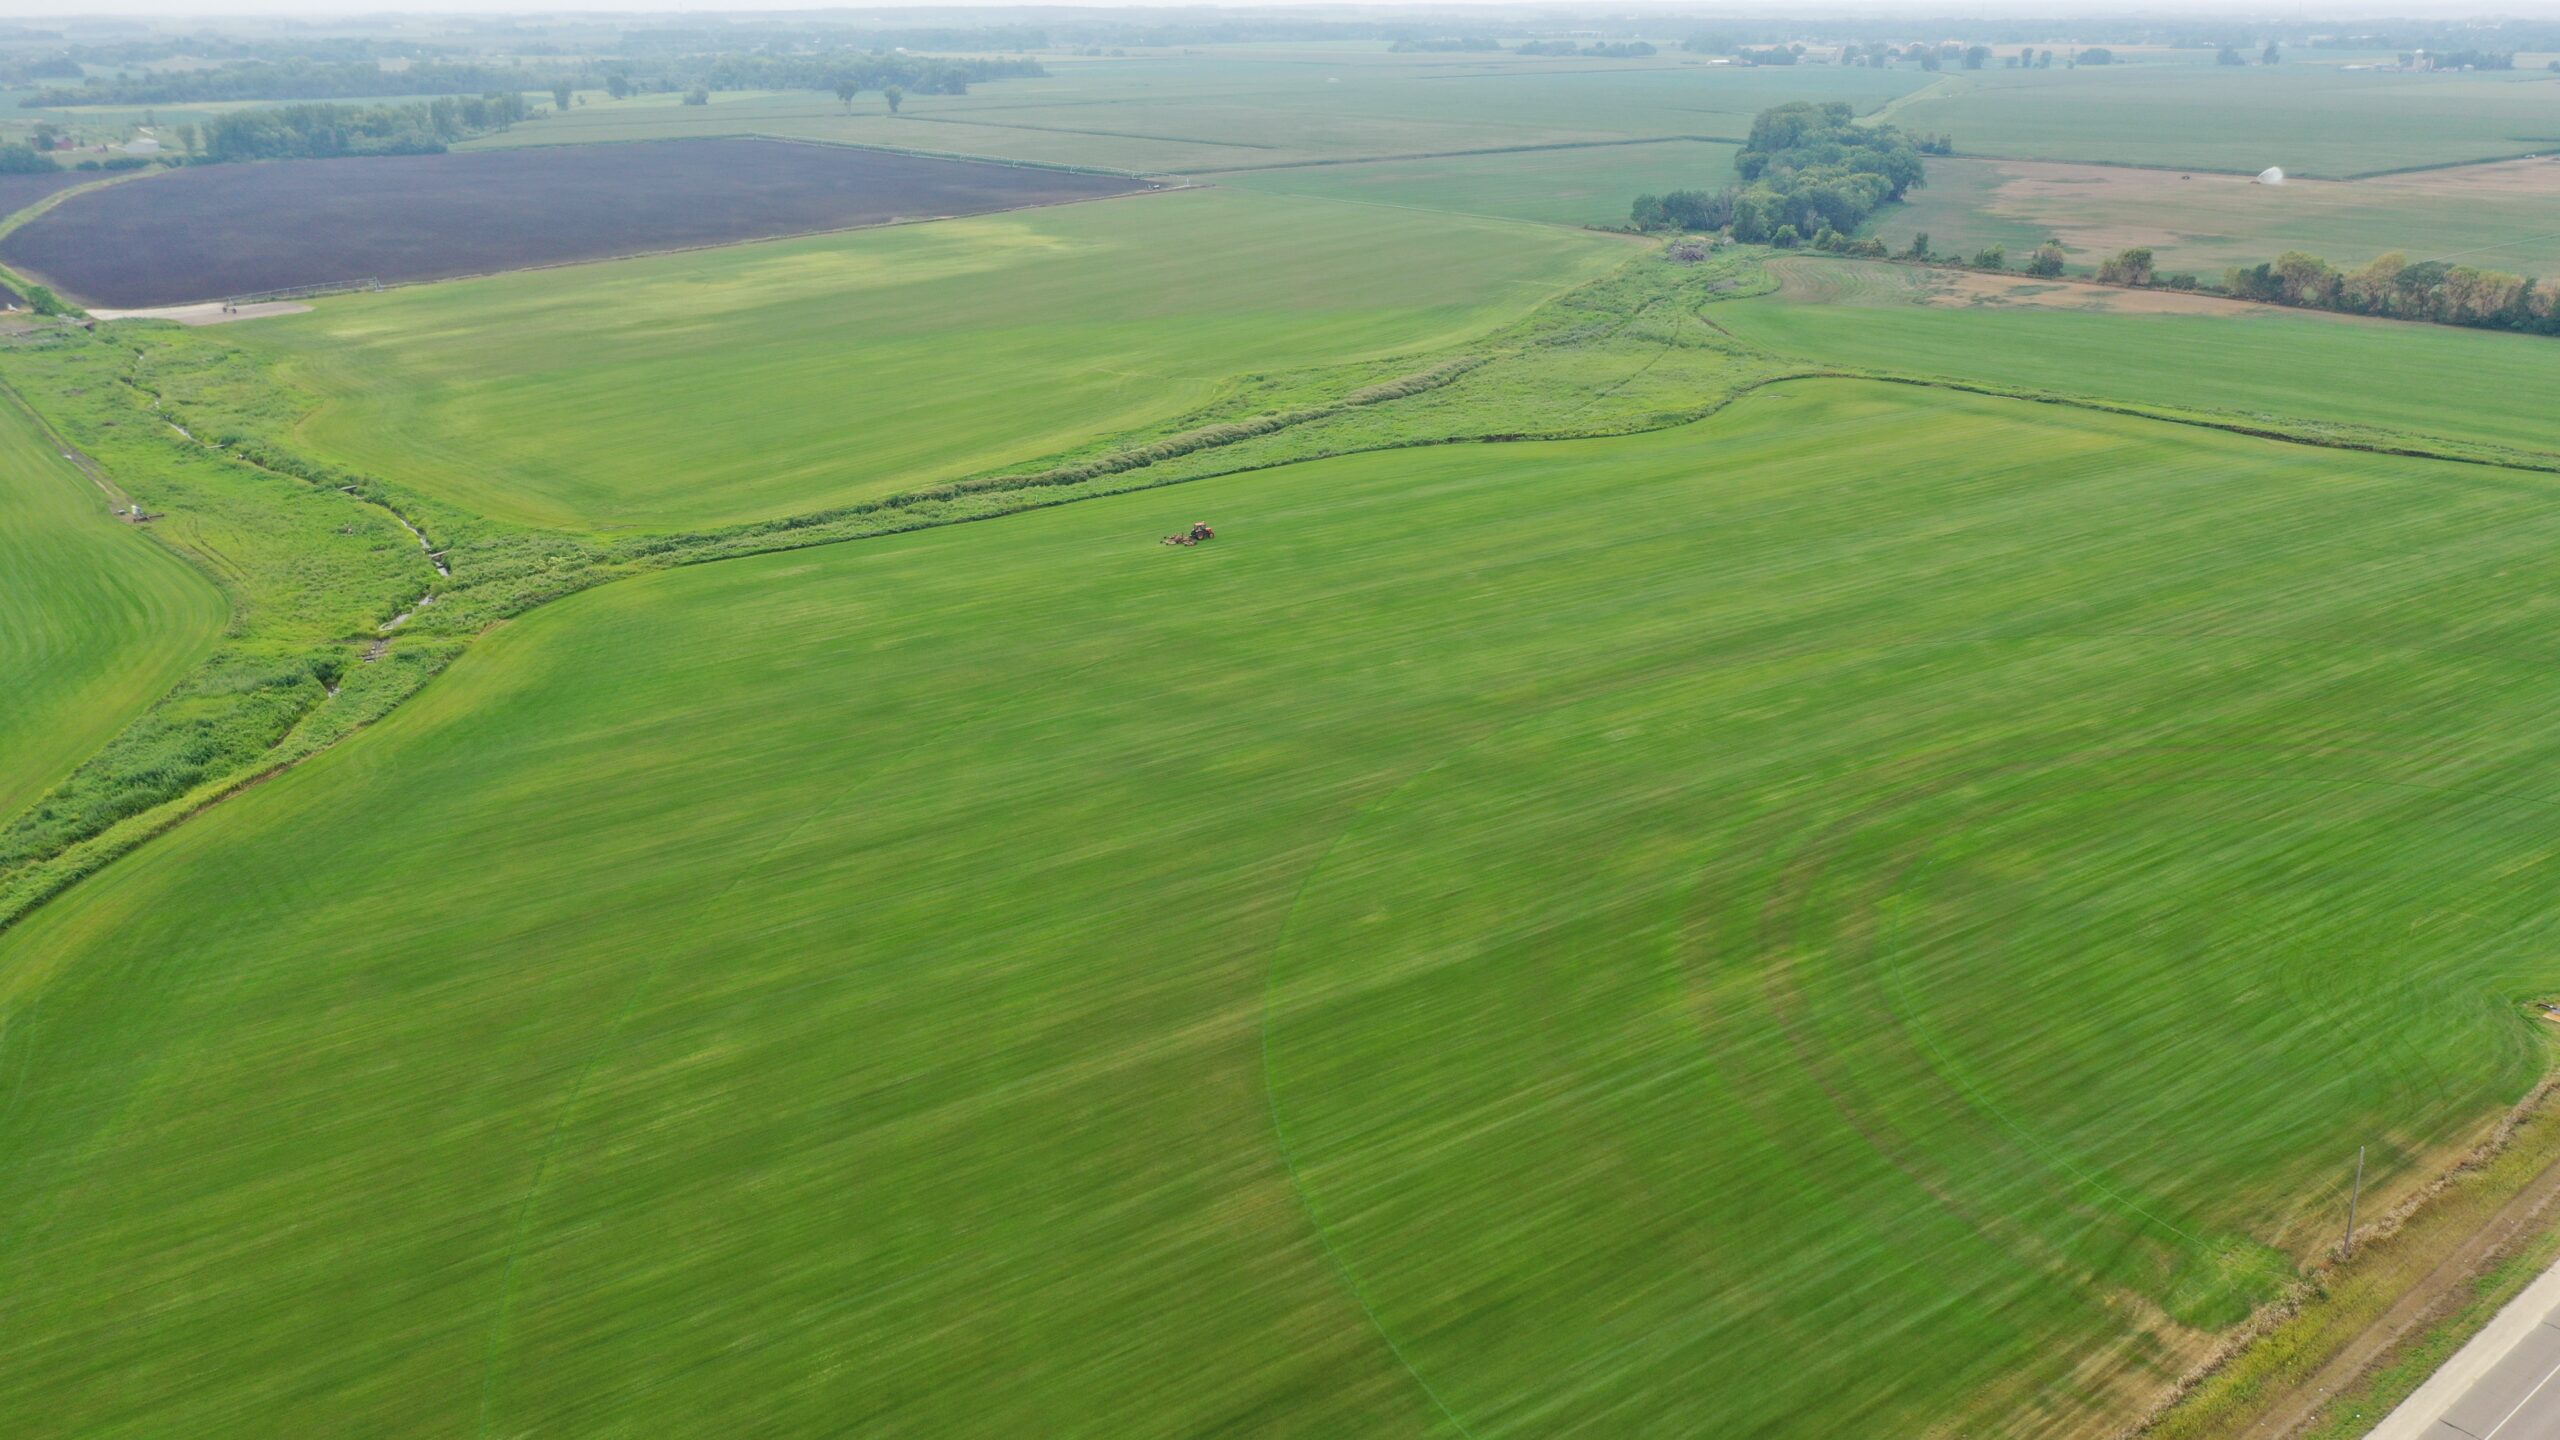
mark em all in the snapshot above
pixel 296 79
pixel 2395 286
pixel 1810 174
pixel 288 80
pixel 319 132
pixel 2392 285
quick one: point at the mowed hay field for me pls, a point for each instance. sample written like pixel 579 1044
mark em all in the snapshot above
pixel 773 379
pixel 2244 361
pixel 1882 909
pixel 2311 120
pixel 96 621
pixel 2504 216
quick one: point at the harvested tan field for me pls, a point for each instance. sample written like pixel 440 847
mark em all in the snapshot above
pixel 1817 281
pixel 1966 287
pixel 2503 216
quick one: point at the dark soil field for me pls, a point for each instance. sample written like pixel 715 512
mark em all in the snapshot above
pixel 217 231
pixel 17 192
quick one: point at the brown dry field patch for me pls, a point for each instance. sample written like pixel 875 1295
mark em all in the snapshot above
pixel 2202 220
pixel 2538 178
pixel 1967 287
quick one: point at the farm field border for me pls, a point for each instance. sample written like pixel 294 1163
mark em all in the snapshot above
pixel 1889 320
pixel 1661 353
pixel 217 231
pixel 1661 310
pixel 521 396
pixel 1159 188
pixel 1215 171
pixel 2364 1331
pixel 97 622
pixel 2500 209
pixel 1396 506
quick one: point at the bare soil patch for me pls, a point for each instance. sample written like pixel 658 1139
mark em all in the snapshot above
pixel 210 312
pixel 17 192
pixel 1966 287
pixel 210 232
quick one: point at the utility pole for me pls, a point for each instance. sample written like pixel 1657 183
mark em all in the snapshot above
pixel 2352 1200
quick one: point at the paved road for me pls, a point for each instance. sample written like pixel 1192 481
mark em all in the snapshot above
pixel 2504 1385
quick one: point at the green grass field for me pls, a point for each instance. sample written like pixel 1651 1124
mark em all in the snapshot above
pixel 95 620
pixel 2244 361
pixel 2312 120
pixel 1237 106
pixel 772 379
pixel 1564 187
pixel 1884 908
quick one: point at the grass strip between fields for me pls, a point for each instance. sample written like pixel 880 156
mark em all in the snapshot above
pixel 1630 352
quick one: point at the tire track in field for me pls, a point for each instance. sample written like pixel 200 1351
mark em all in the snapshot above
pixel 1271 1091
pixel 502 1322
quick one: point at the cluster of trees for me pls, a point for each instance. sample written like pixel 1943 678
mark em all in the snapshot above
pixel 1446 44
pixel 2392 285
pixel 1946 55
pixel 1807 170
pixel 912 74
pixel 315 132
pixel 2469 60
pixel 288 80
pixel 725 70
pixel 23 159
pixel 1608 49
pixel 2442 38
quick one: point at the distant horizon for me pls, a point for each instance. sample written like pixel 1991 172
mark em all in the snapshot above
pixel 19 11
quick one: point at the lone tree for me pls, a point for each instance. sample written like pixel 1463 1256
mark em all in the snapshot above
pixel 2047 261
pixel 560 96
pixel 618 85
pixel 846 89
pixel 894 96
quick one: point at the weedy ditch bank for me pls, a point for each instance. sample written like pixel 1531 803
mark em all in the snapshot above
pixel 2356 1334
pixel 319 594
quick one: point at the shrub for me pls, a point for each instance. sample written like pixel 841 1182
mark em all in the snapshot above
pixel 2127 267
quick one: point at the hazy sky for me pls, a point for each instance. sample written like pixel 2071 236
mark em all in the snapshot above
pixel 2340 9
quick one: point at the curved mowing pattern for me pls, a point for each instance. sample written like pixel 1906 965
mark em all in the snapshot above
pixel 95 620
pixel 1756 1081
pixel 1659 885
